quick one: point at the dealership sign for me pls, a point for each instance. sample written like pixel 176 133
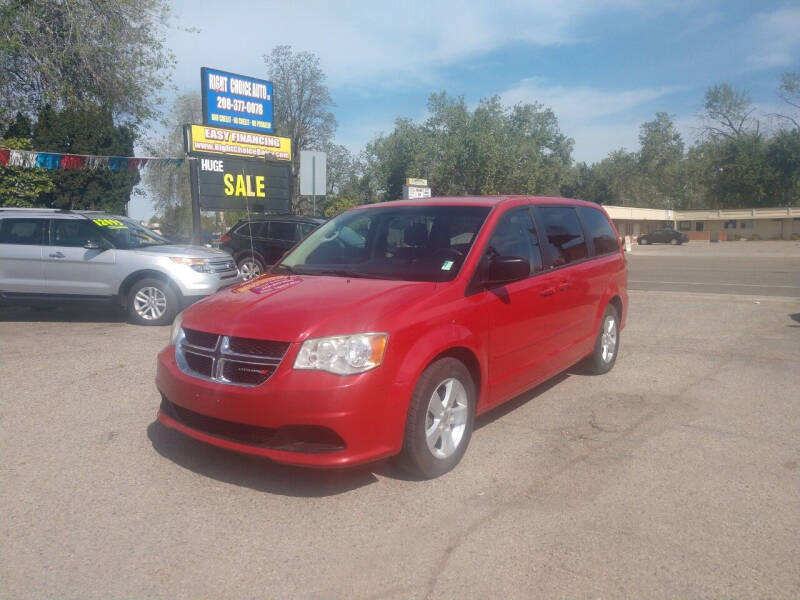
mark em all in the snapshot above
pixel 224 183
pixel 203 139
pixel 236 101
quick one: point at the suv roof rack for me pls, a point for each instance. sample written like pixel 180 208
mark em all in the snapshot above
pixel 50 210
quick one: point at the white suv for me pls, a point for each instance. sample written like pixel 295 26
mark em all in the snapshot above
pixel 53 256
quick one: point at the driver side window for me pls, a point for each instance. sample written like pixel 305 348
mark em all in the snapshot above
pixel 515 235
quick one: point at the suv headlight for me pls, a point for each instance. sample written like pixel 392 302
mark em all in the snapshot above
pixel 342 354
pixel 201 265
pixel 176 329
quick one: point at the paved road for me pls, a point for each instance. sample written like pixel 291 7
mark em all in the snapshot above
pixel 677 475
pixel 717 269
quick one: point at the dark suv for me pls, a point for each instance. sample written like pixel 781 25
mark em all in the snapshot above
pixel 258 242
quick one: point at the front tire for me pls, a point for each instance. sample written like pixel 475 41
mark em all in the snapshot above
pixel 152 302
pixel 643 241
pixel 250 267
pixel 440 419
pixel 606 347
pixel 674 242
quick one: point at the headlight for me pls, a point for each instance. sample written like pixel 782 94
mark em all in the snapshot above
pixel 198 264
pixel 342 354
pixel 176 329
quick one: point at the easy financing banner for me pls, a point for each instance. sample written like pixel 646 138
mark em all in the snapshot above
pixel 204 139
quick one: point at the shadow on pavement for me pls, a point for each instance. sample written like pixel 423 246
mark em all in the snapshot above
pixel 265 476
pixel 83 313
pixel 510 406
pixel 254 472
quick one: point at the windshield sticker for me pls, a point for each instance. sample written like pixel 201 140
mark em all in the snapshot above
pixel 267 284
pixel 109 223
pixel 447 265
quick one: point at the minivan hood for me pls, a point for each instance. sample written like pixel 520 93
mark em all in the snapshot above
pixel 183 250
pixel 290 308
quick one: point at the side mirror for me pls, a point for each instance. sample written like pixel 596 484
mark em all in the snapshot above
pixel 505 269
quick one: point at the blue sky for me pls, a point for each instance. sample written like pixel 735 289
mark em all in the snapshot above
pixel 603 66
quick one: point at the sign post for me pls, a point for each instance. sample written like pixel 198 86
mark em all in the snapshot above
pixel 196 224
pixel 313 175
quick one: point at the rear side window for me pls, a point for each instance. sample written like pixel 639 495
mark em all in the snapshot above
pixel 280 230
pixel 23 232
pixel 306 228
pixel 252 229
pixel 562 233
pixel 73 232
pixel 515 235
pixel 599 230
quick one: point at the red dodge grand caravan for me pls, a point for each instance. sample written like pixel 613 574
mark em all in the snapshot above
pixel 388 329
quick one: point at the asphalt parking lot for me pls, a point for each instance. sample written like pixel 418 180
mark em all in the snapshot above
pixel 675 475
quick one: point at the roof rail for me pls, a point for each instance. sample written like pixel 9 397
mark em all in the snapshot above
pixel 50 210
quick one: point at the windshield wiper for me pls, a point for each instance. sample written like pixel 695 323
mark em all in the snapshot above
pixel 285 267
pixel 349 273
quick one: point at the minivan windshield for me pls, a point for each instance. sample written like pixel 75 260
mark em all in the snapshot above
pixel 128 234
pixel 412 243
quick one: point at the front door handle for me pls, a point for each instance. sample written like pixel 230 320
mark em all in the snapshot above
pixel 564 286
pixel 58 254
pixel 548 291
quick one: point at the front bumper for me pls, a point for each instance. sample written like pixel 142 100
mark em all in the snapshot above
pixel 305 418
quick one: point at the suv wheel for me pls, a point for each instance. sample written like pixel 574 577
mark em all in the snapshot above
pixel 251 267
pixel 152 302
pixel 440 419
pixel 674 242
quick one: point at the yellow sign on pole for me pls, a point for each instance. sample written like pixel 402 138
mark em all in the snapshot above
pixel 204 139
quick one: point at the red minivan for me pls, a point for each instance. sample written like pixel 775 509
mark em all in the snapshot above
pixel 388 329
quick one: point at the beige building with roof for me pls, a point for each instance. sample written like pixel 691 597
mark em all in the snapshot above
pixel 779 223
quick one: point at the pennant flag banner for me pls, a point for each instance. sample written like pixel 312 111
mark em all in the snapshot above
pixel 54 160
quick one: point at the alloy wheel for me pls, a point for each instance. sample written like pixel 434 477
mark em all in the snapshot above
pixel 446 418
pixel 150 303
pixel 608 341
pixel 249 268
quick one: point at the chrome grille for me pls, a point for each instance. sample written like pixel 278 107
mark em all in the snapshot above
pixel 229 360
pixel 222 266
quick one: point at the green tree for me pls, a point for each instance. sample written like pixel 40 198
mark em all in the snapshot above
pixel 783 157
pixel 21 187
pixel 167 185
pixel 491 150
pixel 789 92
pixel 302 111
pixel 728 112
pixel 739 173
pixel 110 53
pixel 660 156
pixel 89 130
pixel 339 205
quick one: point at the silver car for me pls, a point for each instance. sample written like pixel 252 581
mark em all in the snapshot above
pixel 53 256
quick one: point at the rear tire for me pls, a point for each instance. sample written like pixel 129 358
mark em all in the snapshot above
pixel 440 419
pixel 606 347
pixel 152 302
